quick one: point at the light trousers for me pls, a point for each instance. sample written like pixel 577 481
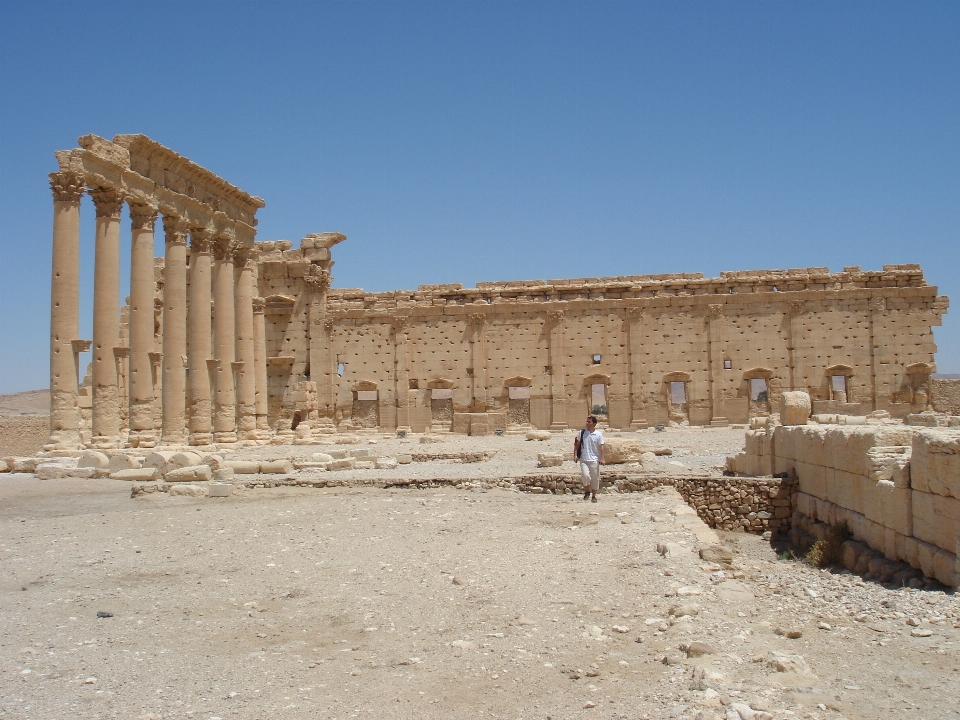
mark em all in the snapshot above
pixel 590 469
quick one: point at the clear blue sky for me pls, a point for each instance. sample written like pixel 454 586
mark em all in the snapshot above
pixel 462 142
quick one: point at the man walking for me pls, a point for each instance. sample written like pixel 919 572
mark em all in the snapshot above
pixel 588 449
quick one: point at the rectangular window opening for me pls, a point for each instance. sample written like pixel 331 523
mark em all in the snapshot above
pixel 596 359
pixel 758 390
pixel 598 399
pixel 728 364
pixel 678 393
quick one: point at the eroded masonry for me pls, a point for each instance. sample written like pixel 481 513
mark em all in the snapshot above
pixel 225 339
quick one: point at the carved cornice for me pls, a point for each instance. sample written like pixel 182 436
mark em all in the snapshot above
pixel 66 186
pixel 143 216
pixel 319 279
pixel 108 202
pixel 174 230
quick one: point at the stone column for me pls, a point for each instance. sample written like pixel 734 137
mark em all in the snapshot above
pixel 316 285
pixel 224 341
pixel 67 190
pixel 877 307
pixel 142 290
pixel 246 260
pixel 173 390
pixel 198 329
pixel 261 392
pixel 638 412
pixel 558 377
pixel 106 318
pixel 401 372
pixel 715 353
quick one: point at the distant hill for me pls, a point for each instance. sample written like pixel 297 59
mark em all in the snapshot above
pixel 31 402
pixel 946 376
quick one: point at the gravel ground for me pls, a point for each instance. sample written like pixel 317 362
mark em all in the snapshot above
pixel 362 602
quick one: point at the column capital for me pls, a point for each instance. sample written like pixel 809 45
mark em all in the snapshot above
pixel 714 310
pixel 66 186
pixel 400 322
pixel 634 313
pixel 259 305
pixel 108 202
pixel 556 315
pixel 201 240
pixel 476 319
pixel 174 230
pixel 245 257
pixel 224 247
pixel 319 279
pixel 143 215
pixel 797 306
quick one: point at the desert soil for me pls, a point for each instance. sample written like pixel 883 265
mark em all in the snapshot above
pixel 356 602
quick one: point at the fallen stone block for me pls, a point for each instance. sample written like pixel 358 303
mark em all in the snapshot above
pixel 426 439
pixel 404 458
pixel 182 460
pixel 214 461
pixel 364 465
pixel 386 463
pixel 159 460
pixel 321 457
pixel 362 454
pixel 94 459
pixel 337 454
pixel 52 471
pixel 143 474
pixel 276 467
pixel 539 435
pixel 794 408
pixel 549 459
pixel 120 461
pixel 716 554
pixel 4 467
pixel 219 490
pixel 622 450
pixel 243 467
pixel 224 474
pixel 191 473
pixel 344 464
pixel 188 490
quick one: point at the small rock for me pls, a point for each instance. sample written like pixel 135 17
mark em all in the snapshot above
pixel 716 554
pixel 620 628
pixel 824 626
pixel 104 614
pixel 588 704
pixel 699 649
pixel 90 681
pixel 457 580
pixel 921 632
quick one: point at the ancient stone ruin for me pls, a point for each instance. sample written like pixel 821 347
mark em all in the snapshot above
pixel 235 340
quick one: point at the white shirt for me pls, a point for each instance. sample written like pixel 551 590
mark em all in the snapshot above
pixel 590 443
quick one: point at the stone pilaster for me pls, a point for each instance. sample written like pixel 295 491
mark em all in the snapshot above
pixel 224 342
pixel 245 260
pixel 715 335
pixel 478 360
pixel 796 310
pixel 558 376
pixel 199 349
pixel 262 389
pixel 316 284
pixel 173 390
pixel 106 318
pixel 878 308
pixel 67 190
pixel 142 290
pixel 638 412
pixel 401 371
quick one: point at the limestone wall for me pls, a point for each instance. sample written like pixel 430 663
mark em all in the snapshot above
pixel 24 435
pixel 632 335
pixel 895 487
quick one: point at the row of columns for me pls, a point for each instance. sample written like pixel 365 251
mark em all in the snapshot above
pixel 231 345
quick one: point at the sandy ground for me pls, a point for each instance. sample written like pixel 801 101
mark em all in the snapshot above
pixel 363 602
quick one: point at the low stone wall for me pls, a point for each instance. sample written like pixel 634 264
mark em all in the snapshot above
pixel 23 435
pixel 752 504
pixel 896 488
pixel 945 396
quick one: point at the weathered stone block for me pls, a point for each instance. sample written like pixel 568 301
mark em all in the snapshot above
pixel 94 459
pixel 183 460
pixel 121 461
pixel 321 457
pixel 622 450
pixel 404 458
pixel 276 467
pixel 794 407
pixel 539 435
pixel 386 463
pixel 214 461
pixel 936 520
pixel 188 490
pixel 159 460
pixel 144 474
pixel 220 490
pixel 549 459
pixel 344 464
pixel 191 473
pixel 243 467
pixel 935 462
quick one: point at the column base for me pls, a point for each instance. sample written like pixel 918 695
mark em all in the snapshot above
pixel 61 441
pixel 141 439
pixel 104 442
pixel 225 437
pixel 558 426
pixel 719 422
pixel 201 438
